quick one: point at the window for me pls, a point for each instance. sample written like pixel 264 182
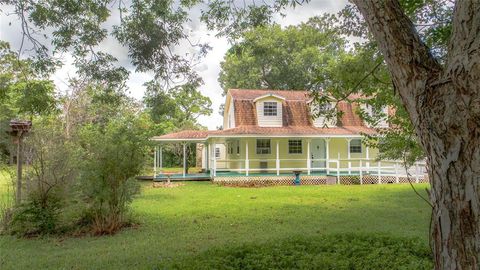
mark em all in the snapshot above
pixel 238 147
pixel 294 146
pixel 263 146
pixel 356 146
pixel 324 108
pixel 270 108
pixel 217 152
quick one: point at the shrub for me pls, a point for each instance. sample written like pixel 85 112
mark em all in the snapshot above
pixel 52 173
pixel 324 252
pixel 115 155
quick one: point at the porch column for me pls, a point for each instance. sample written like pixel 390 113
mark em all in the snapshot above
pixel 154 162
pixel 161 158
pixel 214 155
pixel 184 159
pixel 205 155
pixel 278 159
pixel 348 153
pixel 209 149
pixel 327 154
pixel 309 160
pixel 247 165
pixel 368 158
pixel 416 173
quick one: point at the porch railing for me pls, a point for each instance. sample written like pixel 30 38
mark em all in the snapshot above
pixel 331 167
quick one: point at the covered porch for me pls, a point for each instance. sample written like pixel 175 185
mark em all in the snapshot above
pixel 243 158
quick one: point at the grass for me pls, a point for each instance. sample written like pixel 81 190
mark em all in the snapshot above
pixel 201 222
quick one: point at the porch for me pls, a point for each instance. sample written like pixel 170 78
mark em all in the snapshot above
pixel 275 159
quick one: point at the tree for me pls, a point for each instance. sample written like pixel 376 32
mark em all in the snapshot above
pixel 443 102
pixel 269 57
pixel 176 109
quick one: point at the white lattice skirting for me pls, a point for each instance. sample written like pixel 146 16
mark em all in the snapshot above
pixel 313 180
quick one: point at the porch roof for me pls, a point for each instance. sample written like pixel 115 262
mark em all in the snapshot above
pixel 254 131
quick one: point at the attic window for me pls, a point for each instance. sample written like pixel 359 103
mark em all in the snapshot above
pixel 324 108
pixel 270 108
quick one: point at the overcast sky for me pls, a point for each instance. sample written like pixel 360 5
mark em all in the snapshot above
pixel 208 69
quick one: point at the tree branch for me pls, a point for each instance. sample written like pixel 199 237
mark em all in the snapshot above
pixel 408 58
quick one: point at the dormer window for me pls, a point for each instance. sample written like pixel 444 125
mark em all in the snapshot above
pixel 324 108
pixel 270 108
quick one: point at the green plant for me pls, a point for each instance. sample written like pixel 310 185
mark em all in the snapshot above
pixel 345 251
pixel 115 155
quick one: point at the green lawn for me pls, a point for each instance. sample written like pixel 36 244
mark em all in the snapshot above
pixel 183 223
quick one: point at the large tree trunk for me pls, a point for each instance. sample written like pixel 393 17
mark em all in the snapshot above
pixel 444 104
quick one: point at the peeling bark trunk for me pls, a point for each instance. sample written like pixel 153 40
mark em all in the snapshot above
pixel 443 103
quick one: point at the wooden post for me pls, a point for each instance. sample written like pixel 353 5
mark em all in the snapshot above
pixel 396 173
pixel 416 173
pixel 327 154
pixel 184 159
pixel 247 165
pixel 309 160
pixel 367 153
pixel 214 159
pixel 277 161
pixel 361 172
pixel 379 164
pixel 19 168
pixel 349 157
pixel 161 158
pixel 154 162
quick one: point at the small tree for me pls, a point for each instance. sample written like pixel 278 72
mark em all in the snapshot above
pixel 115 155
pixel 53 172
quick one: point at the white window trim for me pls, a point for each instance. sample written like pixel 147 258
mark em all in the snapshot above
pixel 270 103
pixel 301 147
pixel 350 147
pixel 269 148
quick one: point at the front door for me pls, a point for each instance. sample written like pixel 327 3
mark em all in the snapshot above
pixel 317 152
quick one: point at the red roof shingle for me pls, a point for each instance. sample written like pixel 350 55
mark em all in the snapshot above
pixel 296 118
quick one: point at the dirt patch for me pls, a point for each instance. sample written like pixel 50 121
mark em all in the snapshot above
pixel 166 185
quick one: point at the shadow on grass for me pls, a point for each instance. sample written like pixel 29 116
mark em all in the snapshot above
pixel 346 251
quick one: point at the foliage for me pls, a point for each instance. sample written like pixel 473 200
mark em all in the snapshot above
pixel 345 251
pixel 116 154
pixel 293 58
pixel 181 105
pixel 23 94
pixel 176 109
pixel 49 182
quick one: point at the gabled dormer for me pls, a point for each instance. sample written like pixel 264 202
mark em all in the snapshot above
pixel 319 113
pixel 380 116
pixel 229 113
pixel 269 110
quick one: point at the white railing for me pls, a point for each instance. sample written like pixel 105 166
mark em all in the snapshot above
pixel 332 167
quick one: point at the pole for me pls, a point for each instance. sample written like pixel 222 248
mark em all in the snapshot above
pixel 184 159
pixel 19 169
pixel 247 165
pixel 278 159
pixel 361 172
pixel 309 161
pixel 154 162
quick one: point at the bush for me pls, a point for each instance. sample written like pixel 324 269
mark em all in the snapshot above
pixel 325 252
pixel 51 176
pixel 36 216
pixel 116 154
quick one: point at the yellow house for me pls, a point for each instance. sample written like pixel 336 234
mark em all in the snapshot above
pixel 272 134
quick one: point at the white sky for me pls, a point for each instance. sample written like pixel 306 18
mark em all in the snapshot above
pixel 208 69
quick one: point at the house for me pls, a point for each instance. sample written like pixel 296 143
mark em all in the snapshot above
pixel 269 134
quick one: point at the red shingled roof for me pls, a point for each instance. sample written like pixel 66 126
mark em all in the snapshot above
pixel 251 94
pixel 296 118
